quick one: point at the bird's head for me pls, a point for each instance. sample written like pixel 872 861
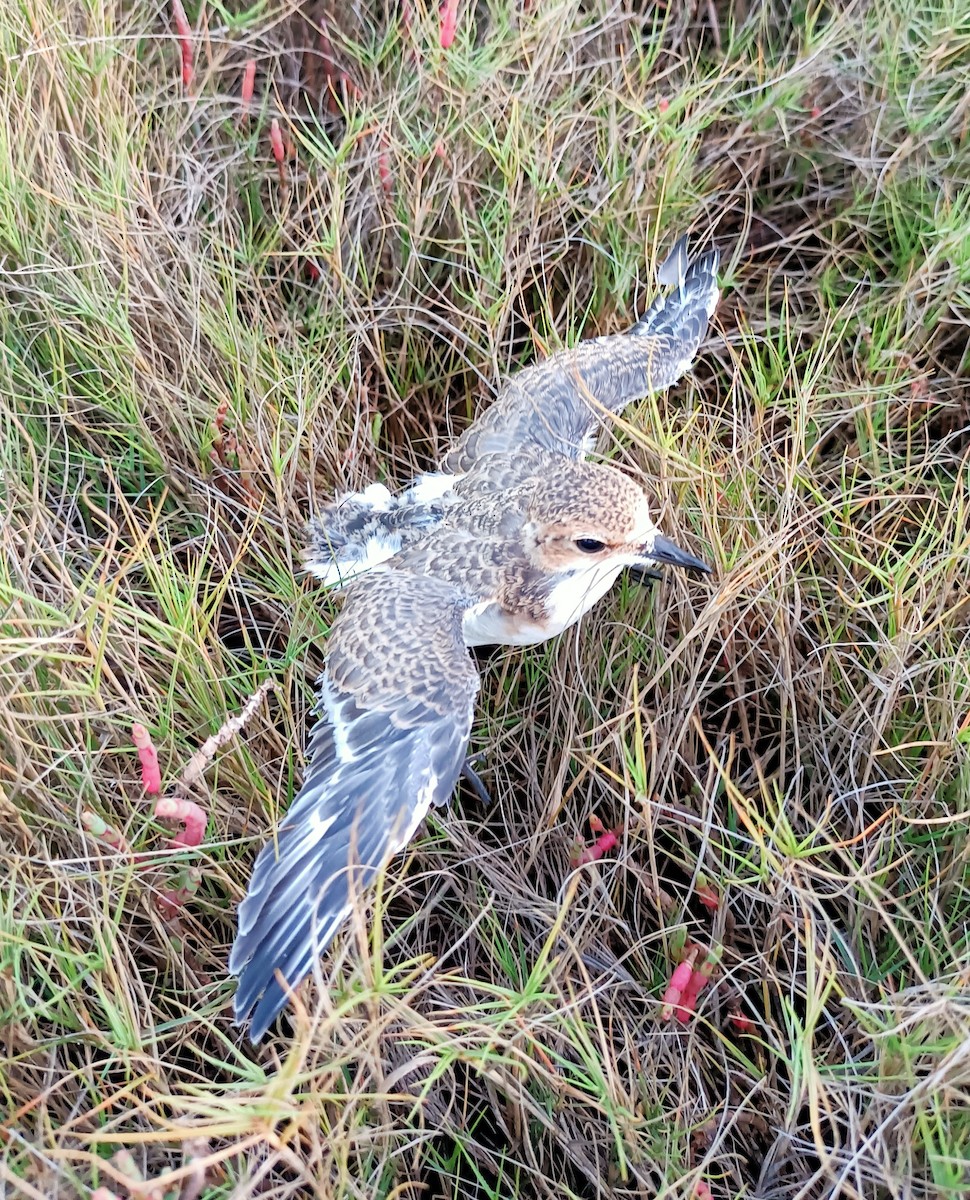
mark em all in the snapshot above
pixel 592 518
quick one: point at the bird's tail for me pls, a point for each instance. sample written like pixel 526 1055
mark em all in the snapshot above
pixel 364 529
pixel 684 312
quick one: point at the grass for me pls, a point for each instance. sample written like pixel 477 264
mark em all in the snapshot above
pixel 798 731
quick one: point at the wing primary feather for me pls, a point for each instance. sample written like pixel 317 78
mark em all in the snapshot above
pixel 683 315
pixel 672 270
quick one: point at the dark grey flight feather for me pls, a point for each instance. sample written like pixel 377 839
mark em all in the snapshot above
pixel 395 714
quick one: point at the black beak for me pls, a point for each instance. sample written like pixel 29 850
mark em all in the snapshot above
pixel 664 551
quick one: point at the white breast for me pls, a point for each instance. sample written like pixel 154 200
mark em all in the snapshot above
pixel 576 594
pixel 488 624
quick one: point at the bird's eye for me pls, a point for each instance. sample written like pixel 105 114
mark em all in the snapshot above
pixel 590 545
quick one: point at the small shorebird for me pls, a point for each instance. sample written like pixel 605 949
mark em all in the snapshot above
pixel 510 542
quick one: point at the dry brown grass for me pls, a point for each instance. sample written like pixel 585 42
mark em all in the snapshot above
pixel 489 1026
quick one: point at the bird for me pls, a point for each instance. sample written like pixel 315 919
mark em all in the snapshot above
pixel 515 536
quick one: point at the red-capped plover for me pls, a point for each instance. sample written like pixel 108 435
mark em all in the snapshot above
pixel 510 542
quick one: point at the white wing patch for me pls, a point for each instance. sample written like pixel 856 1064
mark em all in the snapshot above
pixel 391 517
pixel 320 825
pixel 335 714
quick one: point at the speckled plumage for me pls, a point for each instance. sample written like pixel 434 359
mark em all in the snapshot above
pixel 512 542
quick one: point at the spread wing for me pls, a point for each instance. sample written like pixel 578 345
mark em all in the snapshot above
pixel 395 711
pixel 558 404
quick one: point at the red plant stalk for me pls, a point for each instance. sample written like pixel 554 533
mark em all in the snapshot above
pixel 98 828
pixel 688 1001
pixel 193 819
pixel 279 149
pixel 186 885
pixel 679 983
pixel 741 1022
pixel 707 893
pixel 449 23
pixel 248 82
pixel 276 142
pixel 184 31
pixel 151 776
pixel 699 980
pixel 605 841
pixel 384 171
pixel 218 453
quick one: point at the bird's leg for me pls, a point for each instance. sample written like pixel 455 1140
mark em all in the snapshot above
pixel 472 778
pixel 643 575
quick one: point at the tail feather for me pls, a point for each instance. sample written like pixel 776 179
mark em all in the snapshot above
pixel 357 533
